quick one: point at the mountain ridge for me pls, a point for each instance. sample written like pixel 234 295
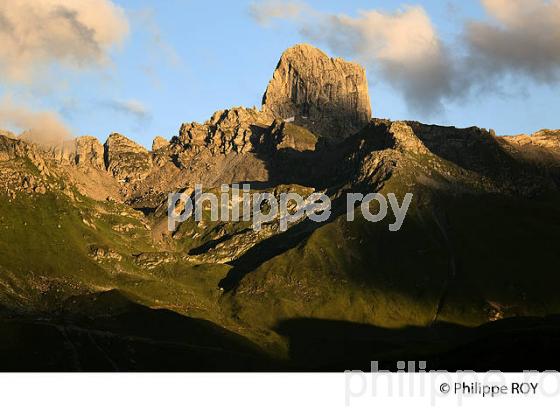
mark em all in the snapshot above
pixel 86 218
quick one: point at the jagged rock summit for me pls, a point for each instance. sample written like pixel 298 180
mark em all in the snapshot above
pixel 315 109
pixel 329 96
pixel 126 159
pixel 159 143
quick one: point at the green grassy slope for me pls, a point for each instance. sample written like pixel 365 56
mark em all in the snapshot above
pixel 464 258
pixel 466 254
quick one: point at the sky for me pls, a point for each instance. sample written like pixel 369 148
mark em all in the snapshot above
pixel 141 68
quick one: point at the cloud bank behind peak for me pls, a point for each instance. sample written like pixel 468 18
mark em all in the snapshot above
pixel 404 49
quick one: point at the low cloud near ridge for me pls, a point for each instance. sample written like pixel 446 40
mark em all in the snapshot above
pixel 41 127
pixel 519 38
pixel 36 35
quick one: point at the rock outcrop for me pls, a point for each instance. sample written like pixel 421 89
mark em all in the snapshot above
pixel 159 143
pixel 88 151
pixel 541 148
pixel 288 136
pixel 549 139
pixel 329 96
pixel 10 147
pixel 232 130
pixel 126 160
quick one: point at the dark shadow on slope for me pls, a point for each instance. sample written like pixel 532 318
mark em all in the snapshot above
pixel 476 150
pixel 288 166
pixel 147 211
pixel 266 250
pixel 333 162
pixel 114 334
pixel 108 332
pixel 337 167
pixel 276 245
pixel 473 149
pixel 514 344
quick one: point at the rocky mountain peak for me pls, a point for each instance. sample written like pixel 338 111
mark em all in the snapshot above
pixel 118 141
pixel 159 143
pixel 125 159
pixel 88 151
pixel 329 96
pixel 227 131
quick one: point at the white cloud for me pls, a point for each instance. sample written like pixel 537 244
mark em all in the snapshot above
pixel 265 12
pixel 404 48
pixel 523 37
pixel 72 33
pixel 42 127
pixel 145 19
pixel 401 47
pixel 129 107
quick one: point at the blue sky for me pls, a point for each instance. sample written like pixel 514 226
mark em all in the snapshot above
pixel 182 60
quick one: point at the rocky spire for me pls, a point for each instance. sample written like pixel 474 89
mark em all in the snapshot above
pixel 329 96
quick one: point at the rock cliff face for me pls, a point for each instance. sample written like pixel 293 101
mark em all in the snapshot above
pixel 326 98
pixel 88 151
pixel 125 159
pixel 10 147
pixel 232 130
pixel 329 96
